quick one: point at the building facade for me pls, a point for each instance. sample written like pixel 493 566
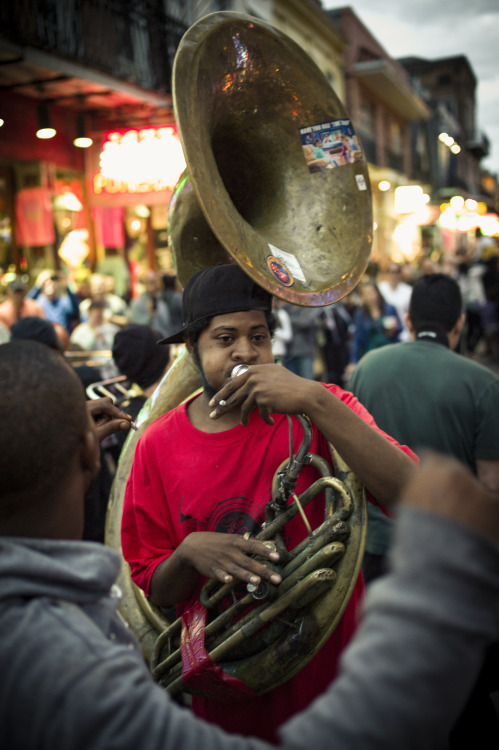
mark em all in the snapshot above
pixel 382 105
pixel 84 69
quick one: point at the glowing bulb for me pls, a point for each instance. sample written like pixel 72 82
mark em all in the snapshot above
pixel 457 202
pixel 45 133
pixel 83 142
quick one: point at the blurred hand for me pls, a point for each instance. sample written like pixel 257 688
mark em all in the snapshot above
pixel 448 488
pixel 108 418
pixel 42 277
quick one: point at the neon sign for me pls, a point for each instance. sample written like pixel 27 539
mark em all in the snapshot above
pixel 137 161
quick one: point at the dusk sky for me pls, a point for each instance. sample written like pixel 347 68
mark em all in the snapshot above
pixel 429 29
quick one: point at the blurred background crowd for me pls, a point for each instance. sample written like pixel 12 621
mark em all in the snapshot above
pixel 324 343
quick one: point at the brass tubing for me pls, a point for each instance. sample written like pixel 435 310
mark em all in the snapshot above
pixel 210 630
pixel 267 532
pixel 325 556
pixel 319 578
pixel 322 559
pixel 330 531
pixel 274 609
pixel 303 560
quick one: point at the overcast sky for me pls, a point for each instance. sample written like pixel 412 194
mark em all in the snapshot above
pixel 430 29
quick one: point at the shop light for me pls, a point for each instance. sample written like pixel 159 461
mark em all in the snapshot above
pixel 405 236
pixel 45 130
pixel 140 161
pixel 409 199
pixel 142 211
pixel 74 247
pixel 471 204
pixel 450 142
pixel 1 122
pixel 489 225
pixel 447 139
pixel 81 140
pixel 67 201
pixel 448 220
pixel 468 222
pixel 457 203
pixel 384 185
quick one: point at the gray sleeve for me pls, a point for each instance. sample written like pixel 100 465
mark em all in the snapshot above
pixel 115 704
pixel 409 671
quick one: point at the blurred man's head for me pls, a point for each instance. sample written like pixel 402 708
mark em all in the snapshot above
pixel 49 453
pixel 51 286
pixel 33 328
pixel 138 356
pixel 16 291
pixel 96 313
pixel 436 309
pixel 98 286
pixel 436 298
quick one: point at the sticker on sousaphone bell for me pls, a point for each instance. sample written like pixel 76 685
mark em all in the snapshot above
pixel 279 271
pixel 284 266
pixel 327 145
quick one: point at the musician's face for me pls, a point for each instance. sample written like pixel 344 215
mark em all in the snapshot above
pixel 232 339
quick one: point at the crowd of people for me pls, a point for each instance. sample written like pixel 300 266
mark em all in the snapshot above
pixel 87 312
pixel 327 343
pixel 356 369
pixel 318 343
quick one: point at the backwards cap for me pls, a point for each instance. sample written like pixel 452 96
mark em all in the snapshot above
pixel 215 291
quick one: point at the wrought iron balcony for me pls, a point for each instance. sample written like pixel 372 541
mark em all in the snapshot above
pixel 132 40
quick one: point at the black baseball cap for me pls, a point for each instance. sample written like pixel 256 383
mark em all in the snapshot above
pixel 217 290
pixel 136 354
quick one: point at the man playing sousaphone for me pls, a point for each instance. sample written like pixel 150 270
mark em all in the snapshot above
pixel 206 468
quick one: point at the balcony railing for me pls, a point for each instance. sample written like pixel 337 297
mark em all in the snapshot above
pixel 129 39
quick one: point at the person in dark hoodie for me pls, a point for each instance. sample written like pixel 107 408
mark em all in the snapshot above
pixel 72 675
pixel 137 355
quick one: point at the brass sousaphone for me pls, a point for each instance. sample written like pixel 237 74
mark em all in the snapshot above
pixel 249 104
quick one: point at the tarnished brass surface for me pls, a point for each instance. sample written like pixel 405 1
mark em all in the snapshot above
pixel 180 381
pixel 242 90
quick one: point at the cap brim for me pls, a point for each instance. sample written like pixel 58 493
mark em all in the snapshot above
pixel 175 338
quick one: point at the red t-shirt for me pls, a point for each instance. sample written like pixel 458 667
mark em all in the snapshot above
pixel 184 480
